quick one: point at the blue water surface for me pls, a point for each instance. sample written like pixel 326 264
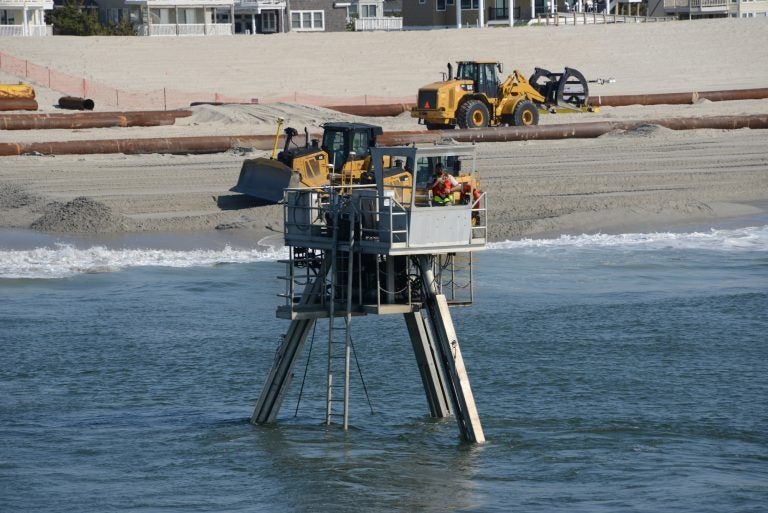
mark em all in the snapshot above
pixel 612 374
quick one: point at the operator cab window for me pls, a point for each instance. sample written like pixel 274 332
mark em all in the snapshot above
pixel 333 143
pixel 466 72
pixel 360 145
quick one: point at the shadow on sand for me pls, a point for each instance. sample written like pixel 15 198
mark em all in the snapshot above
pixel 239 202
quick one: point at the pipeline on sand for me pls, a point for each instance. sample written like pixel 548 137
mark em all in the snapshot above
pixel 171 145
pixel 395 109
pixel 217 144
pixel 91 119
pixel 18 104
pixel 569 130
pixel 679 98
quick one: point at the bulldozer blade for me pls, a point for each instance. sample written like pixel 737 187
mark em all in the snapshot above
pixel 265 179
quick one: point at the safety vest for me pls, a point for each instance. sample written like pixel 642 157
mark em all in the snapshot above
pixel 465 191
pixel 442 187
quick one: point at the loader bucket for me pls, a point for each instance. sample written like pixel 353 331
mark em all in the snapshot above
pixel 265 179
pixel 567 90
pixel 572 90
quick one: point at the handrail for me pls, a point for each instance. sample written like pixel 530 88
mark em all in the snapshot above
pixel 694 4
pixel 385 23
pixel 20 30
pixel 584 18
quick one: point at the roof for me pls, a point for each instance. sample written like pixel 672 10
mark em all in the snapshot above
pixel 346 126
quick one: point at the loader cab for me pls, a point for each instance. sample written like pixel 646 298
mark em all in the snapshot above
pixel 483 74
pixel 346 142
pixel 425 167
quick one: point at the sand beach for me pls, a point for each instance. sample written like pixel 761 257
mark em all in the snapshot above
pixel 646 179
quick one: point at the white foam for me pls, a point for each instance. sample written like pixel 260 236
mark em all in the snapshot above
pixel 64 260
pixel 742 239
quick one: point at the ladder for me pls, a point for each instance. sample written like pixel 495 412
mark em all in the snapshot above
pixel 340 321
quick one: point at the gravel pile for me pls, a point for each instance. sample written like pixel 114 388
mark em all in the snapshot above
pixel 81 215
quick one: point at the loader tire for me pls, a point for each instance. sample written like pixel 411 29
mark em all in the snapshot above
pixel 472 114
pixel 526 114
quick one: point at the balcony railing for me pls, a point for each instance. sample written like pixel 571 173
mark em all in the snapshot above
pixel 261 4
pixel 185 29
pixel 18 30
pixel 44 4
pixel 695 4
pixel 388 23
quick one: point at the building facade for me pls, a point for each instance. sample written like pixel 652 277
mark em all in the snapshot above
pixel 24 17
pixel 428 14
pixel 224 17
pixel 177 17
pixel 692 9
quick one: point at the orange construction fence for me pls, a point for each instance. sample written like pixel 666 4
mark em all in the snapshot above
pixel 105 96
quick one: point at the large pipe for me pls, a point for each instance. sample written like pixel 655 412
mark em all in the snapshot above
pixel 395 109
pixel 175 145
pixel 571 130
pixel 679 98
pixel 90 119
pixel 217 144
pixel 387 110
pixel 75 103
pixel 18 104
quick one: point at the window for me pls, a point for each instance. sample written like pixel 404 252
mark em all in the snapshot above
pixel 163 16
pixel 189 16
pixel 268 21
pixel 470 4
pixel 367 10
pixel 113 16
pixel 6 17
pixel 440 5
pixel 307 20
pixel 360 145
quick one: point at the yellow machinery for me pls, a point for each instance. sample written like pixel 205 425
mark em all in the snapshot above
pixel 340 160
pixel 476 98
pixel 16 91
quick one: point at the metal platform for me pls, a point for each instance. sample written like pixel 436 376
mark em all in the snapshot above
pixel 382 249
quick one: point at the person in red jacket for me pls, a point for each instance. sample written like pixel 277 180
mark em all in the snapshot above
pixel 470 194
pixel 443 187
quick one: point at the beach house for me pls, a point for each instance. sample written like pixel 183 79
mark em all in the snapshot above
pixel 172 17
pixel 692 9
pixel 24 17
pixel 248 17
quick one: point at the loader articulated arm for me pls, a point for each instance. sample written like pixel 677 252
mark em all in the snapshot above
pixel 516 85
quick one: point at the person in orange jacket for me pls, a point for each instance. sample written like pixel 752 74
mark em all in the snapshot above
pixel 443 186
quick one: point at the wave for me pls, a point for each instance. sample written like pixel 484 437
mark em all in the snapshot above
pixel 63 260
pixel 743 239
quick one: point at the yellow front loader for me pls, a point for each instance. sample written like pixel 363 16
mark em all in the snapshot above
pixel 476 98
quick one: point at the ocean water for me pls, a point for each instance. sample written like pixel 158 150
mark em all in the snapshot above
pixel 612 373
